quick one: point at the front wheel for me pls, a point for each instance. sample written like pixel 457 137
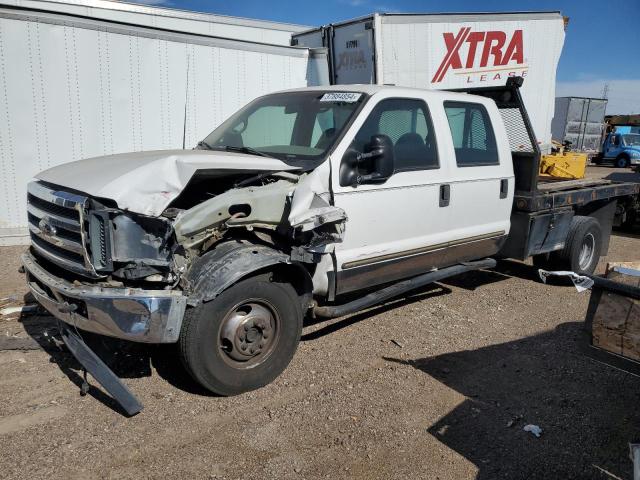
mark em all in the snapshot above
pixel 622 161
pixel 244 338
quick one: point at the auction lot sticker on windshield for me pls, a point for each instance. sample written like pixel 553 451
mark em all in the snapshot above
pixel 348 97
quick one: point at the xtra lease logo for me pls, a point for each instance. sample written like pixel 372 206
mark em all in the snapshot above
pixel 485 52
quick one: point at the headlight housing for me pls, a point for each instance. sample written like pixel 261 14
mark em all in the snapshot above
pixel 128 245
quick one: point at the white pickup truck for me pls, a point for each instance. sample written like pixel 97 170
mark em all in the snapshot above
pixel 297 199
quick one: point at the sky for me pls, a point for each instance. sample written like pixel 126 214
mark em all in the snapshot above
pixel 602 43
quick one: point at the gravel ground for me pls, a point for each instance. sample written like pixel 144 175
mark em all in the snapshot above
pixel 438 385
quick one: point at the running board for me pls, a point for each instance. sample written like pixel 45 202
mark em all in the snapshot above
pixel 399 288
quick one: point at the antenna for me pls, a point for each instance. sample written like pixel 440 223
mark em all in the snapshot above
pixel 186 99
pixel 605 91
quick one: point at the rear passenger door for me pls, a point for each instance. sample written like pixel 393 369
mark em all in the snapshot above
pixel 397 228
pixel 481 181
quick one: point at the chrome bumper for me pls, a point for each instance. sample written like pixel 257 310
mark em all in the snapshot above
pixel 138 315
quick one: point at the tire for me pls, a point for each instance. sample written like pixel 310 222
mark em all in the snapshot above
pixel 583 245
pixel 622 161
pixel 252 312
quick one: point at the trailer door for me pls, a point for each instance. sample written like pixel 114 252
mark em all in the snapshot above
pixel 352 53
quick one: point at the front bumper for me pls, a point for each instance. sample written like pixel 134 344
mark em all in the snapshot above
pixel 134 314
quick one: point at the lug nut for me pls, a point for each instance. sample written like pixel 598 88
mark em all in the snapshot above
pixel 243 347
pixel 252 350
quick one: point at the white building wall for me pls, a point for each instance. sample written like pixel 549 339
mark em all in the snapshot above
pixel 73 89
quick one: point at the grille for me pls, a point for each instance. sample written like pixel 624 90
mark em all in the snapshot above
pixel 56 227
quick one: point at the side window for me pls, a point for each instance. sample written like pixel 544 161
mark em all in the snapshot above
pixel 408 125
pixel 472 134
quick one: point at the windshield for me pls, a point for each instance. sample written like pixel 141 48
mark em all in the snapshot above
pixel 287 126
pixel 631 139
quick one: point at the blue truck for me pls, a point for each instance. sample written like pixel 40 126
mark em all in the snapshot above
pixel 622 147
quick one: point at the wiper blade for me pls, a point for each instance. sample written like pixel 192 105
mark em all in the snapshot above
pixel 204 144
pixel 252 151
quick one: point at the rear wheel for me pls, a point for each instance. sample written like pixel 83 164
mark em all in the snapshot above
pixel 583 246
pixel 244 338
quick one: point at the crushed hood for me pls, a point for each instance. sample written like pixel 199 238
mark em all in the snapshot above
pixel 147 182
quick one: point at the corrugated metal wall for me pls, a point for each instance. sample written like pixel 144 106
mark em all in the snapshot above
pixel 168 18
pixel 74 89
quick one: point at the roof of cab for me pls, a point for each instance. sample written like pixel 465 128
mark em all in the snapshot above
pixel 374 89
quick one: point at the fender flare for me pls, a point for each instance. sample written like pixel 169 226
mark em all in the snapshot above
pixel 228 263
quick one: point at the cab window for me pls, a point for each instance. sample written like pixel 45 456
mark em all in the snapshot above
pixel 472 134
pixel 408 125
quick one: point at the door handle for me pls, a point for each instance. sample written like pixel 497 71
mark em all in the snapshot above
pixel 504 188
pixel 445 195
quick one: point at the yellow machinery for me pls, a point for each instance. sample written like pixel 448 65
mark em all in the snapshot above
pixel 563 164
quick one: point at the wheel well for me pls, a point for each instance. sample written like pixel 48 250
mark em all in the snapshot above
pixel 294 274
pixel 232 262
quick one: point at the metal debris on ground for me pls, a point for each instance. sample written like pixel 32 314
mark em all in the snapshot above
pixel 30 309
pixel 535 429
pixel 581 282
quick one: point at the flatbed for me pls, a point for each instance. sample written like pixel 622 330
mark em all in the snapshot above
pixel 573 193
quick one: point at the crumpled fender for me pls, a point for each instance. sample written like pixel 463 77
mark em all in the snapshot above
pixel 226 264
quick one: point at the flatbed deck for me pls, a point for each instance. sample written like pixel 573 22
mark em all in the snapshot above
pixel 550 195
pixel 559 185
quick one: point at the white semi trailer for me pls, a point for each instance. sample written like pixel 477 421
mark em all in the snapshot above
pixel 449 52
pixel 81 80
pixel 153 16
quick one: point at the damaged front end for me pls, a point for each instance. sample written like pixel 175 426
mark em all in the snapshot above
pixel 102 269
pixel 284 210
pixel 124 274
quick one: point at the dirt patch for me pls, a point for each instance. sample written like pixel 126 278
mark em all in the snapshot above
pixel 437 385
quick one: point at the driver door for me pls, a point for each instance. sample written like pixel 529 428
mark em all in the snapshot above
pixel 397 227
pixel 613 146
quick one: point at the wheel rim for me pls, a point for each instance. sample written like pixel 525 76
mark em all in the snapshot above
pixel 586 251
pixel 249 333
pixel 622 162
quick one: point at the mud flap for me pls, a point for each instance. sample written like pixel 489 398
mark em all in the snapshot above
pixel 100 371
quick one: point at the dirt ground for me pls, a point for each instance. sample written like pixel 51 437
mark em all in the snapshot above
pixel 438 385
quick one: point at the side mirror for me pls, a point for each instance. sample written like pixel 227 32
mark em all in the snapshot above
pixel 375 164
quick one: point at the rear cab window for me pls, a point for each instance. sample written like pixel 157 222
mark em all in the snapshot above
pixel 472 133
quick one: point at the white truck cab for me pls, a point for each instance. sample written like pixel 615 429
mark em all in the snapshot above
pixel 448 198
pixel 298 198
